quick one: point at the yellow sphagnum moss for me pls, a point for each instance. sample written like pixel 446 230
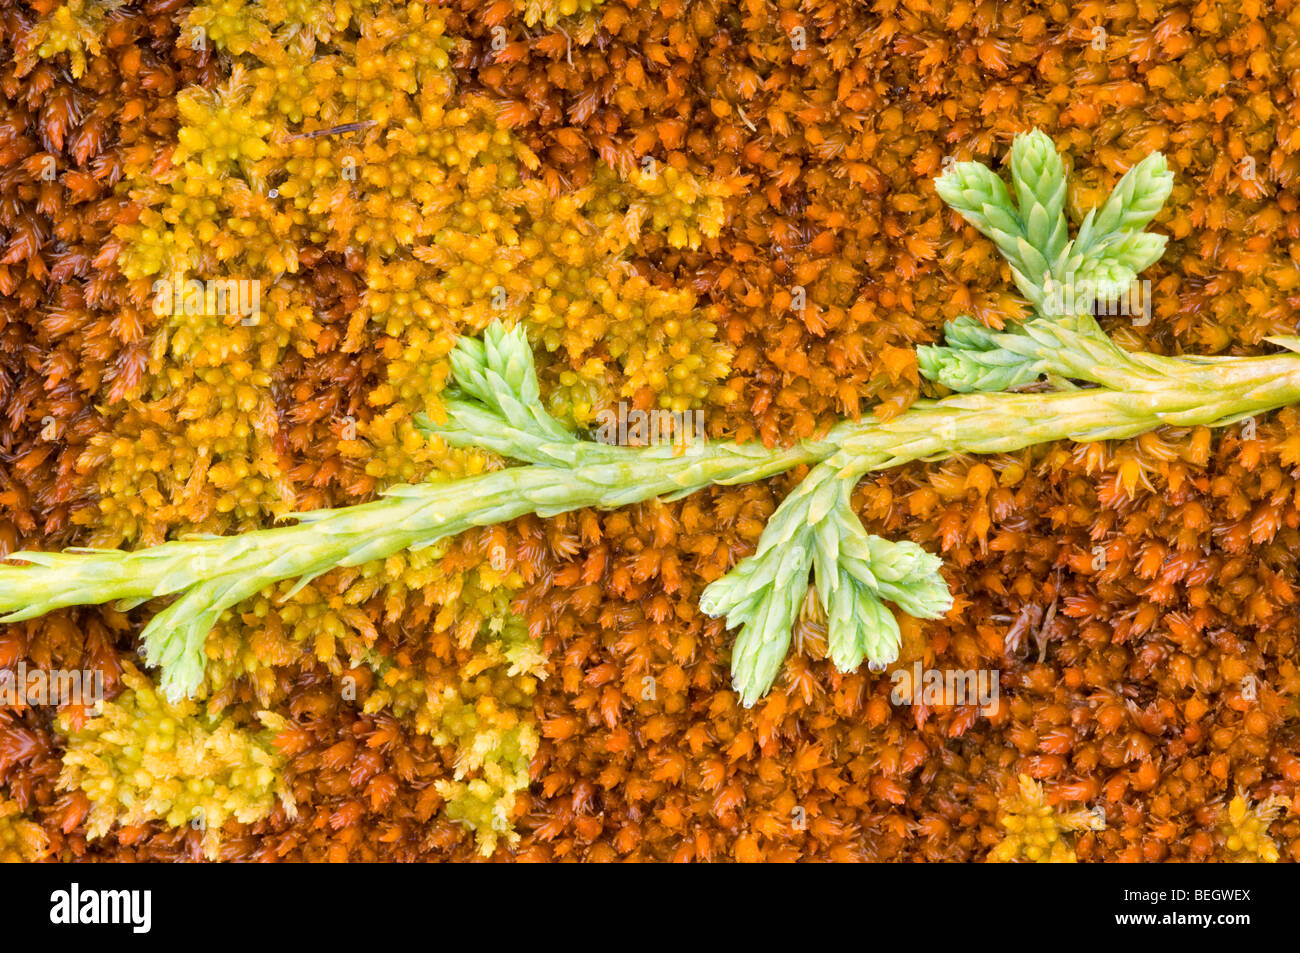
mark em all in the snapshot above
pixel 339 128
pixel 146 758
pixel 21 841
pixel 1035 828
pixel 1243 828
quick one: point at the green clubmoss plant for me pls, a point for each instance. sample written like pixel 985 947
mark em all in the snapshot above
pixel 1086 389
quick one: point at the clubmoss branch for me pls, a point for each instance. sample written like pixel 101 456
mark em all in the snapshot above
pixel 1102 393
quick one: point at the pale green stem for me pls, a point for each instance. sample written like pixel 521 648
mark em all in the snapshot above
pixel 216 573
pixel 1190 394
pixel 607 477
pixel 405 517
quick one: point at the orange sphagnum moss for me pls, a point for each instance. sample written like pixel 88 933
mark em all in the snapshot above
pixel 1123 677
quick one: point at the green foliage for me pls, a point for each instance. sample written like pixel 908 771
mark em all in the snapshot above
pixel 856 573
pixel 1100 264
pixel 1030 230
pixel 495 405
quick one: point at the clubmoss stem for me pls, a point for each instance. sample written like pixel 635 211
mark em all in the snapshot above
pixel 1102 393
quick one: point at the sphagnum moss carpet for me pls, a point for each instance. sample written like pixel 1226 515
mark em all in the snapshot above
pixel 951 505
